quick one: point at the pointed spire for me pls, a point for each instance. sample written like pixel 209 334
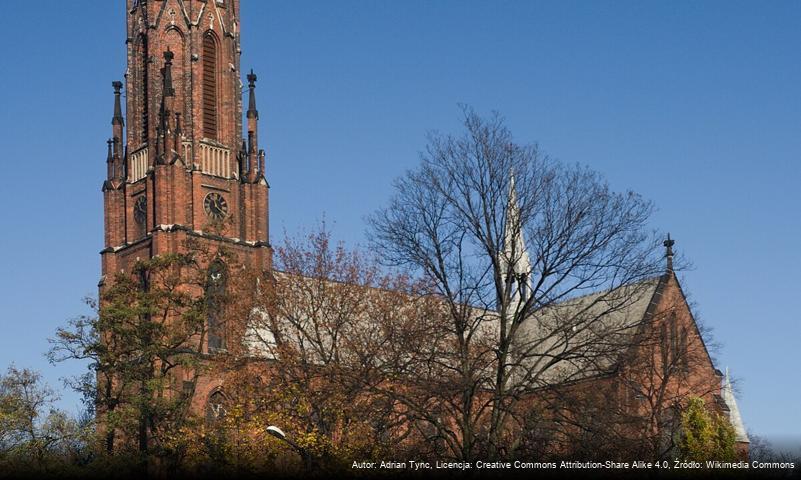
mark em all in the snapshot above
pixel 515 263
pixel 117 118
pixel 669 252
pixel 727 393
pixel 252 112
pixel 253 131
pixel 117 123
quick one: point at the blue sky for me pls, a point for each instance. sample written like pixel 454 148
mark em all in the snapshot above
pixel 695 105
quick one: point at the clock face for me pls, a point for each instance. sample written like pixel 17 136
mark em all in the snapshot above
pixel 215 206
pixel 140 210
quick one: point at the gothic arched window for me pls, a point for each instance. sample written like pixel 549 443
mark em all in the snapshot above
pixel 215 407
pixel 215 290
pixel 210 100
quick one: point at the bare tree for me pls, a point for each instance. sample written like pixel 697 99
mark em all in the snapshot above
pixel 513 243
pixel 315 330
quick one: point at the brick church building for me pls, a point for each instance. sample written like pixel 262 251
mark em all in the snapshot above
pixel 181 158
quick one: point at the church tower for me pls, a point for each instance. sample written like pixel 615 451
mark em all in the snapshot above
pixel 181 162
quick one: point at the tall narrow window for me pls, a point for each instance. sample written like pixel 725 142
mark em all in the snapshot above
pixel 215 291
pixel 209 86
pixel 141 87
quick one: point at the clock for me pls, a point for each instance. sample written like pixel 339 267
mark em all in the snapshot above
pixel 140 210
pixel 215 206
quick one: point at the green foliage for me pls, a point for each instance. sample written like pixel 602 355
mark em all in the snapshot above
pixel 34 436
pixel 705 435
pixel 146 338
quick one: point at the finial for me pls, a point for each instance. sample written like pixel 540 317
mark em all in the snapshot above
pixel 252 112
pixel 110 156
pixel 669 252
pixel 117 118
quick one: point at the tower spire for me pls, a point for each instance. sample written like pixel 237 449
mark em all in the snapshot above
pixel 669 252
pixel 117 118
pixel 117 121
pixel 727 393
pixel 252 112
pixel 514 261
pixel 254 170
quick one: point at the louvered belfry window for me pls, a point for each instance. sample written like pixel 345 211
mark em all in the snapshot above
pixel 209 87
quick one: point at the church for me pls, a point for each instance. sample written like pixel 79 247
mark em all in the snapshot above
pixel 181 158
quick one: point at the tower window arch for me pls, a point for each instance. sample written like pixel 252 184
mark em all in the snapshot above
pixel 215 407
pixel 210 90
pixel 216 284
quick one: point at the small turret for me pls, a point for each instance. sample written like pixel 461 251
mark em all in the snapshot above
pixel 117 120
pixel 117 125
pixel 253 152
pixel 252 112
